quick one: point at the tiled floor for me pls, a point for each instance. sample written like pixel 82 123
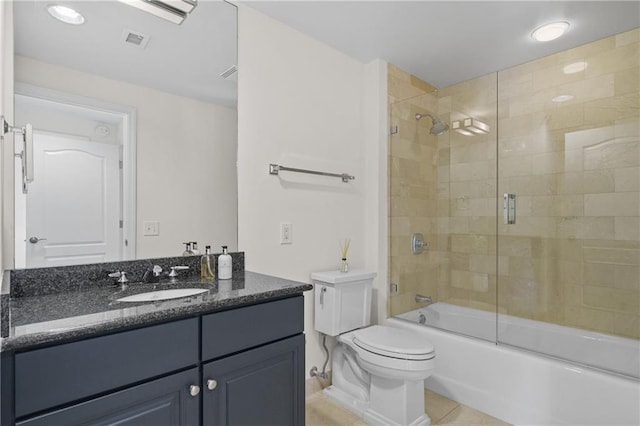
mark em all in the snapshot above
pixel 321 411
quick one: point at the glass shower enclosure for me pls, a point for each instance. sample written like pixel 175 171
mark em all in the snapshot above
pixel 528 203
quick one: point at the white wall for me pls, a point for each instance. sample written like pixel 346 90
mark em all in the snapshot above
pixel 6 149
pixel 186 158
pixel 301 104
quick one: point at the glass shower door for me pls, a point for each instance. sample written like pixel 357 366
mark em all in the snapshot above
pixel 444 187
pixel 413 169
pixel 569 152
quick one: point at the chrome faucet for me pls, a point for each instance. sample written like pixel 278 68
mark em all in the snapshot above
pixel 152 275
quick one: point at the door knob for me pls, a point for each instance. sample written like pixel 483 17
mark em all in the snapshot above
pixel 212 384
pixel 34 240
pixel 194 390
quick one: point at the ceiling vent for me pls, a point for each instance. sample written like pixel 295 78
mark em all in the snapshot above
pixel 135 38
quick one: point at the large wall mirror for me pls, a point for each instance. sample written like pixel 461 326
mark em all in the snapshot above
pixel 135 132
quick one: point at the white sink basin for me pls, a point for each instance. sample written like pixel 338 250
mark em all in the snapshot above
pixel 162 295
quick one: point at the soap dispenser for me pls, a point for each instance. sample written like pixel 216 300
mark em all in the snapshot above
pixel 224 265
pixel 207 265
pixel 194 248
pixel 187 250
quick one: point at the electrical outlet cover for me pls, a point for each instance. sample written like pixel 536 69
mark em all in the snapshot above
pixel 286 233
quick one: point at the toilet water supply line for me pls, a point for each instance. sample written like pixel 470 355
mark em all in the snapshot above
pixel 349 356
pixel 314 369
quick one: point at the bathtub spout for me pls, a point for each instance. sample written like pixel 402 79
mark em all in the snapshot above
pixel 423 299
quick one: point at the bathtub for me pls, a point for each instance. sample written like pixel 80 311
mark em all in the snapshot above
pixel 520 386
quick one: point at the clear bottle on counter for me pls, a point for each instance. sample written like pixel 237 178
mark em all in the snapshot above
pixel 207 265
pixel 187 249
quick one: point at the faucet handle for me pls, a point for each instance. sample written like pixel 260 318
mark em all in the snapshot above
pixel 121 275
pixel 174 270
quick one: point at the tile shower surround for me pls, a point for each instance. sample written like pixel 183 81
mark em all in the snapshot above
pixel 571 259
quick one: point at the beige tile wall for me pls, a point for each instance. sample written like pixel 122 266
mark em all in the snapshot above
pixel 573 257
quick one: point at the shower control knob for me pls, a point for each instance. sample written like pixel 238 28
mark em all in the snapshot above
pixel 212 384
pixel 417 243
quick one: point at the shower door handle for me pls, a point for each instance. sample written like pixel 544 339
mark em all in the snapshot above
pixel 509 209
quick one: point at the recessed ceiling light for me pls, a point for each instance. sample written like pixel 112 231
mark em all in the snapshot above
pixel 575 67
pixel 562 98
pixel 550 31
pixel 65 14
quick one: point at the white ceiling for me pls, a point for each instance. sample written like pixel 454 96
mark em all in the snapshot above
pixel 442 42
pixel 446 42
pixel 182 59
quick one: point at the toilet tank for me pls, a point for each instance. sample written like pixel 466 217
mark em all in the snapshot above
pixel 342 300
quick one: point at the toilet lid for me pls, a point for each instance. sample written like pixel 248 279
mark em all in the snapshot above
pixel 393 342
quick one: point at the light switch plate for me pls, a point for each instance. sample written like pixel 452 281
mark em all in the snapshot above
pixel 151 228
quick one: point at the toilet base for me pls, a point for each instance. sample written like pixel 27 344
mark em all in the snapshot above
pixel 346 400
pixel 373 417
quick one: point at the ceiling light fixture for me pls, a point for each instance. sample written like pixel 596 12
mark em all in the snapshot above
pixel 65 14
pixel 575 67
pixel 476 126
pixel 172 10
pixel 550 31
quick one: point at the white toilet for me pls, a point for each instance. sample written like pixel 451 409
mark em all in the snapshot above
pixel 378 372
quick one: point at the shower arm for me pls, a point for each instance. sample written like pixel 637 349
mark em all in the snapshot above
pixel 426 114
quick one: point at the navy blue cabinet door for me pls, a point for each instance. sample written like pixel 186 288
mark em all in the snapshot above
pixel 262 386
pixel 162 402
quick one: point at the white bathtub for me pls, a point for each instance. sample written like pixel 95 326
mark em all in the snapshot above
pixel 520 386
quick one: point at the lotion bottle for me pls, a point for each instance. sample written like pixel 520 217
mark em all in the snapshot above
pixel 224 265
pixel 207 265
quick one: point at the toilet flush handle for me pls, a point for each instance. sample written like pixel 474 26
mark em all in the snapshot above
pixel 322 292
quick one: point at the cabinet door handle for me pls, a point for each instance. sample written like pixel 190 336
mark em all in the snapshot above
pixel 212 384
pixel 194 390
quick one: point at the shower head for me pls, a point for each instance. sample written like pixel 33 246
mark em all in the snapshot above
pixel 438 127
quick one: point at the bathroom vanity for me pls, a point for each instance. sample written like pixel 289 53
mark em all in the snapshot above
pixel 231 355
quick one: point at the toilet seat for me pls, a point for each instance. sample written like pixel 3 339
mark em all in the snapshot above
pixel 393 343
pixel 414 359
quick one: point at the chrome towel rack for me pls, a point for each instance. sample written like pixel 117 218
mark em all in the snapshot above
pixel 275 169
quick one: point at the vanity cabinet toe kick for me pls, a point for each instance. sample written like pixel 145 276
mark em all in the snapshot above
pixel 240 366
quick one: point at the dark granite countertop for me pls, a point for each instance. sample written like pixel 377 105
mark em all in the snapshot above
pixel 36 320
